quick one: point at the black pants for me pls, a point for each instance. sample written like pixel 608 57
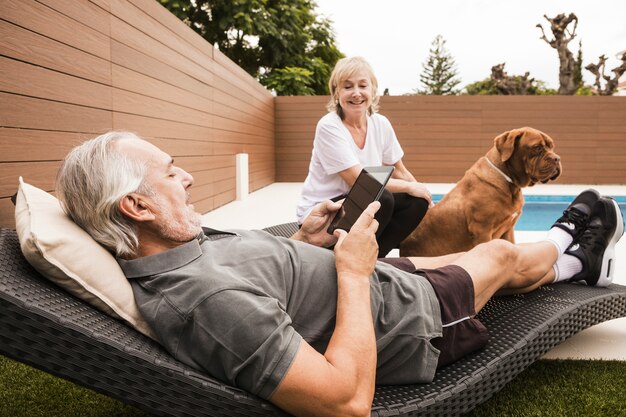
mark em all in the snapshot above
pixel 398 216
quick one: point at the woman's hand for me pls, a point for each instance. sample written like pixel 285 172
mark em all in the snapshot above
pixel 417 189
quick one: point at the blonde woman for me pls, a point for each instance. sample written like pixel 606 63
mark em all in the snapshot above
pixel 354 135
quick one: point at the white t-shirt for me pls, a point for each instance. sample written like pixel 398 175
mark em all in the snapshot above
pixel 334 150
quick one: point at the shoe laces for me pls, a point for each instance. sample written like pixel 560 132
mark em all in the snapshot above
pixel 593 236
pixel 576 217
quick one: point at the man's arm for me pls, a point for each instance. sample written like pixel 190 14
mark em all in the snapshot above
pixel 342 380
pixel 314 228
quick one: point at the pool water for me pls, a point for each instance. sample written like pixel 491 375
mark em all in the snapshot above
pixel 540 211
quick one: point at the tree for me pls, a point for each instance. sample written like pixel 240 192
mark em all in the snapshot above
pixel 611 83
pixel 439 71
pixel 282 43
pixel 562 37
pixel 501 83
pixel 294 80
pixel 578 68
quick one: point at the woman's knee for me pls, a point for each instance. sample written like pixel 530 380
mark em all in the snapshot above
pixel 410 209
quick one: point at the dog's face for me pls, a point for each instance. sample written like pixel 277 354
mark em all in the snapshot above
pixel 530 155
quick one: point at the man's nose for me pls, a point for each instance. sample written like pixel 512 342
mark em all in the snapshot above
pixel 187 179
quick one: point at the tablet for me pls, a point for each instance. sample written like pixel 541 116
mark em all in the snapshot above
pixel 367 188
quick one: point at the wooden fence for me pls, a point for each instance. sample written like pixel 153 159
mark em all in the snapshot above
pixel 442 136
pixel 72 69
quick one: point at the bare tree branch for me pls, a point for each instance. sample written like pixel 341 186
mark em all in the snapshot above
pixel 562 36
pixel 511 85
pixel 611 82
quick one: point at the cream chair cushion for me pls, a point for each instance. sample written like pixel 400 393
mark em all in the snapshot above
pixel 65 254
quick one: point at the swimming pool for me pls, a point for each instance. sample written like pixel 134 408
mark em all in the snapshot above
pixel 540 211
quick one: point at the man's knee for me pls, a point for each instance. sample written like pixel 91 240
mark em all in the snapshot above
pixel 500 251
pixel 505 251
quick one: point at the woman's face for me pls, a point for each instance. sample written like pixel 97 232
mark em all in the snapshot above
pixel 355 94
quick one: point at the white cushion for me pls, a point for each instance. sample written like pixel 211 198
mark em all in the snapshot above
pixel 65 254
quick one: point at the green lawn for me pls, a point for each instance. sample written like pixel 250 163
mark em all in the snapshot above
pixel 547 388
pixel 562 388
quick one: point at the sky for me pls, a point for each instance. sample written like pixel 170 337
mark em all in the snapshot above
pixel 394 36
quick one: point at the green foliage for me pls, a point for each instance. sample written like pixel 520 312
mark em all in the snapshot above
pixel 539 88
pixel 585 90
pixel 272 40
pixel 439 72
pixel 578 67
pixel 488 86
pixel 291 80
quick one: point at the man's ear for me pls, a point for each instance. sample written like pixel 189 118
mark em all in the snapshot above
pixel 135 207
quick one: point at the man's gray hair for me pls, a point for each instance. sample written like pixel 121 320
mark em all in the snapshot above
pixel 92 180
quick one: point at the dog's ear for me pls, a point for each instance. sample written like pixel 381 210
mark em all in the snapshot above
pixel 505 143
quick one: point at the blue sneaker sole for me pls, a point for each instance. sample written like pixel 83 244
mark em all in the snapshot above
pixel 608 258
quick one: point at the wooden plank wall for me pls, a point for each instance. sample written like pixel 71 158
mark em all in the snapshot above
pixel 72 69
pixel 442 136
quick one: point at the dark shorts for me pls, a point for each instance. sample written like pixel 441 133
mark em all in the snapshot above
pixel 462 332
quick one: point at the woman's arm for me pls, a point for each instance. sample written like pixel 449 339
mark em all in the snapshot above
pixel 350 175
pixel 401 172
pixel 402 181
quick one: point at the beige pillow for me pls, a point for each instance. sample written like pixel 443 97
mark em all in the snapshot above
pixel 65 254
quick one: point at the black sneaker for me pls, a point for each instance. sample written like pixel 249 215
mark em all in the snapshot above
pixel 596 245
pixel 576 216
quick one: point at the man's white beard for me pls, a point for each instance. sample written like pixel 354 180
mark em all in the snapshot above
pixel 179 228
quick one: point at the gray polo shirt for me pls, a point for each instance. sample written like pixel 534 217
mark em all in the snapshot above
pixel 237 305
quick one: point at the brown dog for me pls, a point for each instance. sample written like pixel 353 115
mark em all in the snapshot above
pixel 488 200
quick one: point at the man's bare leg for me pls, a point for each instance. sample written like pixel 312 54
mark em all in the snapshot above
pixel 433 262
pixel 500 265
pixel 547 279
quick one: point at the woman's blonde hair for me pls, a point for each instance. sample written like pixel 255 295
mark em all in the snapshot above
pixel 344 68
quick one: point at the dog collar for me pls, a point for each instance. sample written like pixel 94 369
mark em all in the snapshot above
pixel 506 177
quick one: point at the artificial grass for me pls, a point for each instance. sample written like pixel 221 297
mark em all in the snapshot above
pixel 547 388
pixel 562 388
pixel 26 391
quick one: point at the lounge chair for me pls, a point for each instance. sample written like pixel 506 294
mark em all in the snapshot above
pixel 45 327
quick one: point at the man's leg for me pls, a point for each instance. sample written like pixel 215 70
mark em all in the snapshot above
pixel 434 262
pixel 500 265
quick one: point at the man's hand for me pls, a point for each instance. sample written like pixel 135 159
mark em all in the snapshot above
pixel 313 230
pixel 341 381
pixel 356 252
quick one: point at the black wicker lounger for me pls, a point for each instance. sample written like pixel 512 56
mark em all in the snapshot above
pixel 43 326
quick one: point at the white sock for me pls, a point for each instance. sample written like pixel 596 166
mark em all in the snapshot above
pixel 560 238
pixel 566 267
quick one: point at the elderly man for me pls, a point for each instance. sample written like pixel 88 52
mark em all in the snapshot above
pixel 310 329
